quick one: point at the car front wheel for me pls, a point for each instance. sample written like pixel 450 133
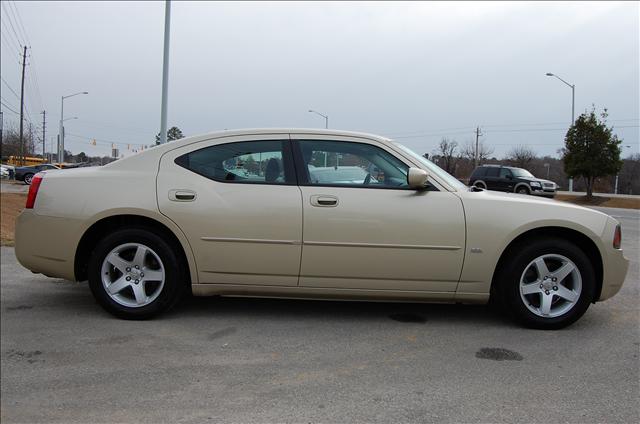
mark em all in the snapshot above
pixel 28 178
pixel 522 190
pixel 135 274
pixel 547 284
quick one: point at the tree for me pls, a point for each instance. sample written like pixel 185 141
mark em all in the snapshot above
pixel 591 150
pixel 82 157
pixel 469 151
pixel 173 133
pixel 521 156
pixel 447 150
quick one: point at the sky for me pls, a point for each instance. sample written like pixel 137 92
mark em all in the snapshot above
pixel 415 72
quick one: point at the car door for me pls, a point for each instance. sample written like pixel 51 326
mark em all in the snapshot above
pixel 491 178
pixel 237 201
pixel 506 179
pixel 373 232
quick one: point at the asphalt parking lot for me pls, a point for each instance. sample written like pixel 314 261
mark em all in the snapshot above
pixel 254 360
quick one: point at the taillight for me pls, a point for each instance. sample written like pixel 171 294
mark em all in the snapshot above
pixel 33 191
pixel 617 237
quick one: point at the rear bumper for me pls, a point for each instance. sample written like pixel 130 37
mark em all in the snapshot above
pixel 46 244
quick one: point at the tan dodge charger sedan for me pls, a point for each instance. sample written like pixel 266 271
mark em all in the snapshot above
pixel 312 214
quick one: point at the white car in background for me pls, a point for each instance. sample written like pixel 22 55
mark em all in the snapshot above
pixel 146 228
pixel 6 171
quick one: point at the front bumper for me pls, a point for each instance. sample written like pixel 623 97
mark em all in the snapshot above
pixel 615 271
pixel 543 193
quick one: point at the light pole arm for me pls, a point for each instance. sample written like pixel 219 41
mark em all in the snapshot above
pixel 570 85
pixel 326 117
pixel 74 94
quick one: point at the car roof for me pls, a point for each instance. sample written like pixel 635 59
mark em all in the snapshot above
pixel 498 166
pixel 267 131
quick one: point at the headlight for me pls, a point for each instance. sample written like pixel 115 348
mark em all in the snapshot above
pixel 535 184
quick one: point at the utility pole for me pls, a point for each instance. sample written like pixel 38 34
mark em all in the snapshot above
pixel 44 132
pixel 476 156
pixel 1 129
pixel 31 139
pixel 24 63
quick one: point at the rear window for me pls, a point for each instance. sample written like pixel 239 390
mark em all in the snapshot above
pixel 478 172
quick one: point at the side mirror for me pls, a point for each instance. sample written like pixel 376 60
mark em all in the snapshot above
pixel 417 178
pixel 509 177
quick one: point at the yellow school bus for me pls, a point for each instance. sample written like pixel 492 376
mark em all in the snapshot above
pixel 28 161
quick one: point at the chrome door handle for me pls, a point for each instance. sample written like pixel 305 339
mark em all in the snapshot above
pixel 182 195
pixel 326 201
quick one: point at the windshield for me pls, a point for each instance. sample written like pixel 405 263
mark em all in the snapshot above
pixel 518 172
pixel 432 167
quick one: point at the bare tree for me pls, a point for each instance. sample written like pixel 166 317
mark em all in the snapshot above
pixel 447 151
pixel 521 156
pixel 469 151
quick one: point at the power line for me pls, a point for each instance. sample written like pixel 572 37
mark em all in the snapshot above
pixel 552 129
pixel 10 109
pixel 33 76
pixel 134 130
pixel 102 140
pixel 9 87
pixel 11 23
pixel 19 20
pixel 405 133
pixel 11 41
pixel 434 134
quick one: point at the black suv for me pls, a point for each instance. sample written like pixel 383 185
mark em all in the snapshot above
pixel 507 178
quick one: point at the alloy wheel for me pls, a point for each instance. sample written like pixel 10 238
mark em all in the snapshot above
pixel 132 275
pixel 550 285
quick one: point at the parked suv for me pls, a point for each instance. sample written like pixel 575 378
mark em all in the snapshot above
pixel 507 178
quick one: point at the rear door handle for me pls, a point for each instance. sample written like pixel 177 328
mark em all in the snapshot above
pixel 181 195
pixel 326 201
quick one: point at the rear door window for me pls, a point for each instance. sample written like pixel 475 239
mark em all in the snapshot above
pixel 493 172
pixel 252 162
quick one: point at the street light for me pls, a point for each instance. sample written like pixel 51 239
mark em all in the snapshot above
pixel 326 118
pixel 573 96
pixel 573 108
pixel 326 125
pixel 61 145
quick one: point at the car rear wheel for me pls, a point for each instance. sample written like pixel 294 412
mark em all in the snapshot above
pixel 547 284
pixel 135 274
pixel 28 178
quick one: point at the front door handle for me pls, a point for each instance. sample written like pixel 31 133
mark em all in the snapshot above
pixel 325 201
pixel 182 195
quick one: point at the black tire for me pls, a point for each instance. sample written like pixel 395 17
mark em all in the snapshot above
pixel 514 266
pixel 522 190
pixel 27 179
pixel 175 282
pixel 480 184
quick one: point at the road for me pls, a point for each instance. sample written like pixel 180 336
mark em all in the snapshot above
pixel 256 360
pixel 582 193
pixel 10 186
